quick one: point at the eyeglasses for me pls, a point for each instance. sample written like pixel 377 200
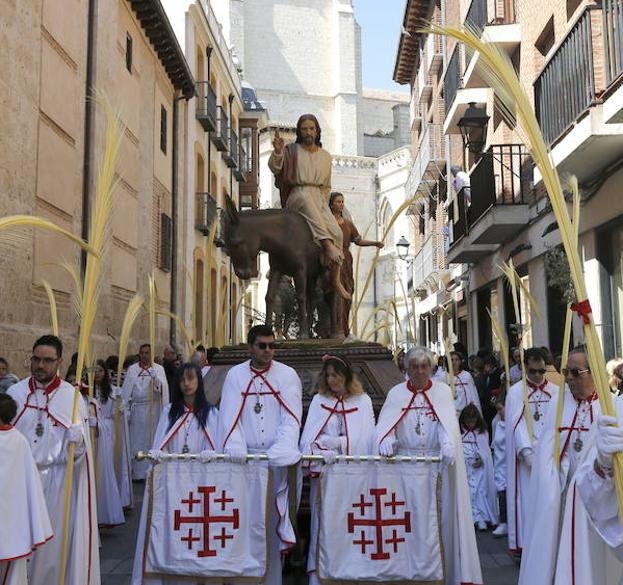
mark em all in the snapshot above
pixel 533 371
pixel 574 372
pixel 264 345
pixel 46 361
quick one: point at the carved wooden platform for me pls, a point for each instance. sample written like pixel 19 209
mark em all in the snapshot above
pixel 372 362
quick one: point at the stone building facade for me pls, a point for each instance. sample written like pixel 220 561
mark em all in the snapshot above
pixel 52 140
pixel 578 107
pixel 359 126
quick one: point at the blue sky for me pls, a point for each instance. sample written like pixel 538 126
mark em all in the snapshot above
pixel 380 22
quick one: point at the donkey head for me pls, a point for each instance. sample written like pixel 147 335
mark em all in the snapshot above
pixel 241 241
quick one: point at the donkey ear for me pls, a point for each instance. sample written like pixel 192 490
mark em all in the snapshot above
pixel 232 212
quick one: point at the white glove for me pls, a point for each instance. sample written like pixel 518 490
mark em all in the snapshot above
pixel 237 456
pixel 74 434
pixel 329 456
pixel 332 443
pixel 207 456
pixel 386 447
pixel 92 421
pixel 156 455
pixel 527 456
pixel 609 440
pixel 447 454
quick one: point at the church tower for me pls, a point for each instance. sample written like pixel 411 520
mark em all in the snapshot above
pixel 302 57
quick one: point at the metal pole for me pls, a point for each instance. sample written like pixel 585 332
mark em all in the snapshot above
pixel 142 455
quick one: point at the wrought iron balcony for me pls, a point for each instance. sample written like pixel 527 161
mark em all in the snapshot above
pixel 240 172
pixel 205 111
pixel 428 264
pixel 452 78
pixel 220 137
pixel 429 162
pixel 494 208
pixel 612 11
pixel 231 156
pixel 205 212
pixel 565 89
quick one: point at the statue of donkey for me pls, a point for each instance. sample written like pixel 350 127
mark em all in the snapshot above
pixel 288 240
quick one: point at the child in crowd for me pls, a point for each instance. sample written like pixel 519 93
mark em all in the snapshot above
pixel 499 462
pixel 479 464
pixel 23 506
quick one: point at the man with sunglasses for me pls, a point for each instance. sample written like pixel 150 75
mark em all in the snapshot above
pixel 596 486
pixel 44 417
pixel 520 446
pixel 260 412
pixel 561 545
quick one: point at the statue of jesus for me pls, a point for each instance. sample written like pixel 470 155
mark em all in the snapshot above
pixel 303 176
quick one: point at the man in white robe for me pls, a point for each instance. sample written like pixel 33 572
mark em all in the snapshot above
pixel 418 418
pixel 44 417
pixel 260 412
pixel 145 392
pixel 22 507
pixel 520 446
pixel 560 544
pixel 595 483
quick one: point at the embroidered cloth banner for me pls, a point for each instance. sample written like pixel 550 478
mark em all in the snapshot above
pixel 207 521
pixel 380 522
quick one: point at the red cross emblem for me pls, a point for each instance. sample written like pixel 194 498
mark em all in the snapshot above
pixel 379 522
pixel 205 520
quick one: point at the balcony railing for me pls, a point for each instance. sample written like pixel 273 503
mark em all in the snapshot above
pixel 231 156
pixel 220 137
pixel 423 263
pixel 476 18
pixel 452 79
pixel 206 106
pixel 503 176
pixel 431 152
pixel 504 12
pixel 205 212
pixel 240 172
pixel 566 86
pixel 612 11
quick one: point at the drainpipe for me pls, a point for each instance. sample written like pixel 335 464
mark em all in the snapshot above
pixel 89 115
pixel 376 215
pixel 231 194
pixel 174 214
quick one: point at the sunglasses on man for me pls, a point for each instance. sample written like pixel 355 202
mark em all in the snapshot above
pixel 574 372
pixel 264 345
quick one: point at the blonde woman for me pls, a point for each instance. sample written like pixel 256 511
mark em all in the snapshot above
pixel 340 421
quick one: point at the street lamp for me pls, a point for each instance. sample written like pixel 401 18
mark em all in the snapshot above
pixel 473 127
pixel 402 247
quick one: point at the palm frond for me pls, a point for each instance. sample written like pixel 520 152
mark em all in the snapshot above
pixel 53 309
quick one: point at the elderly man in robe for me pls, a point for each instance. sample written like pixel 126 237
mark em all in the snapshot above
pixel 419 418
pixel 303 176
pixel 561 545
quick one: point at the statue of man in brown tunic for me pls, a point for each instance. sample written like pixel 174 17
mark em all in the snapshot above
pixel 303 176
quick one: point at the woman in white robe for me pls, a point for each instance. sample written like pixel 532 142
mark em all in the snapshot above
pixel 479 466
pixel 464 387
pixel 340 421
pixel 109 504
pixel 187 425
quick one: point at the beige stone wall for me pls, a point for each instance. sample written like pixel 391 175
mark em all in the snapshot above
pixel 42 103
